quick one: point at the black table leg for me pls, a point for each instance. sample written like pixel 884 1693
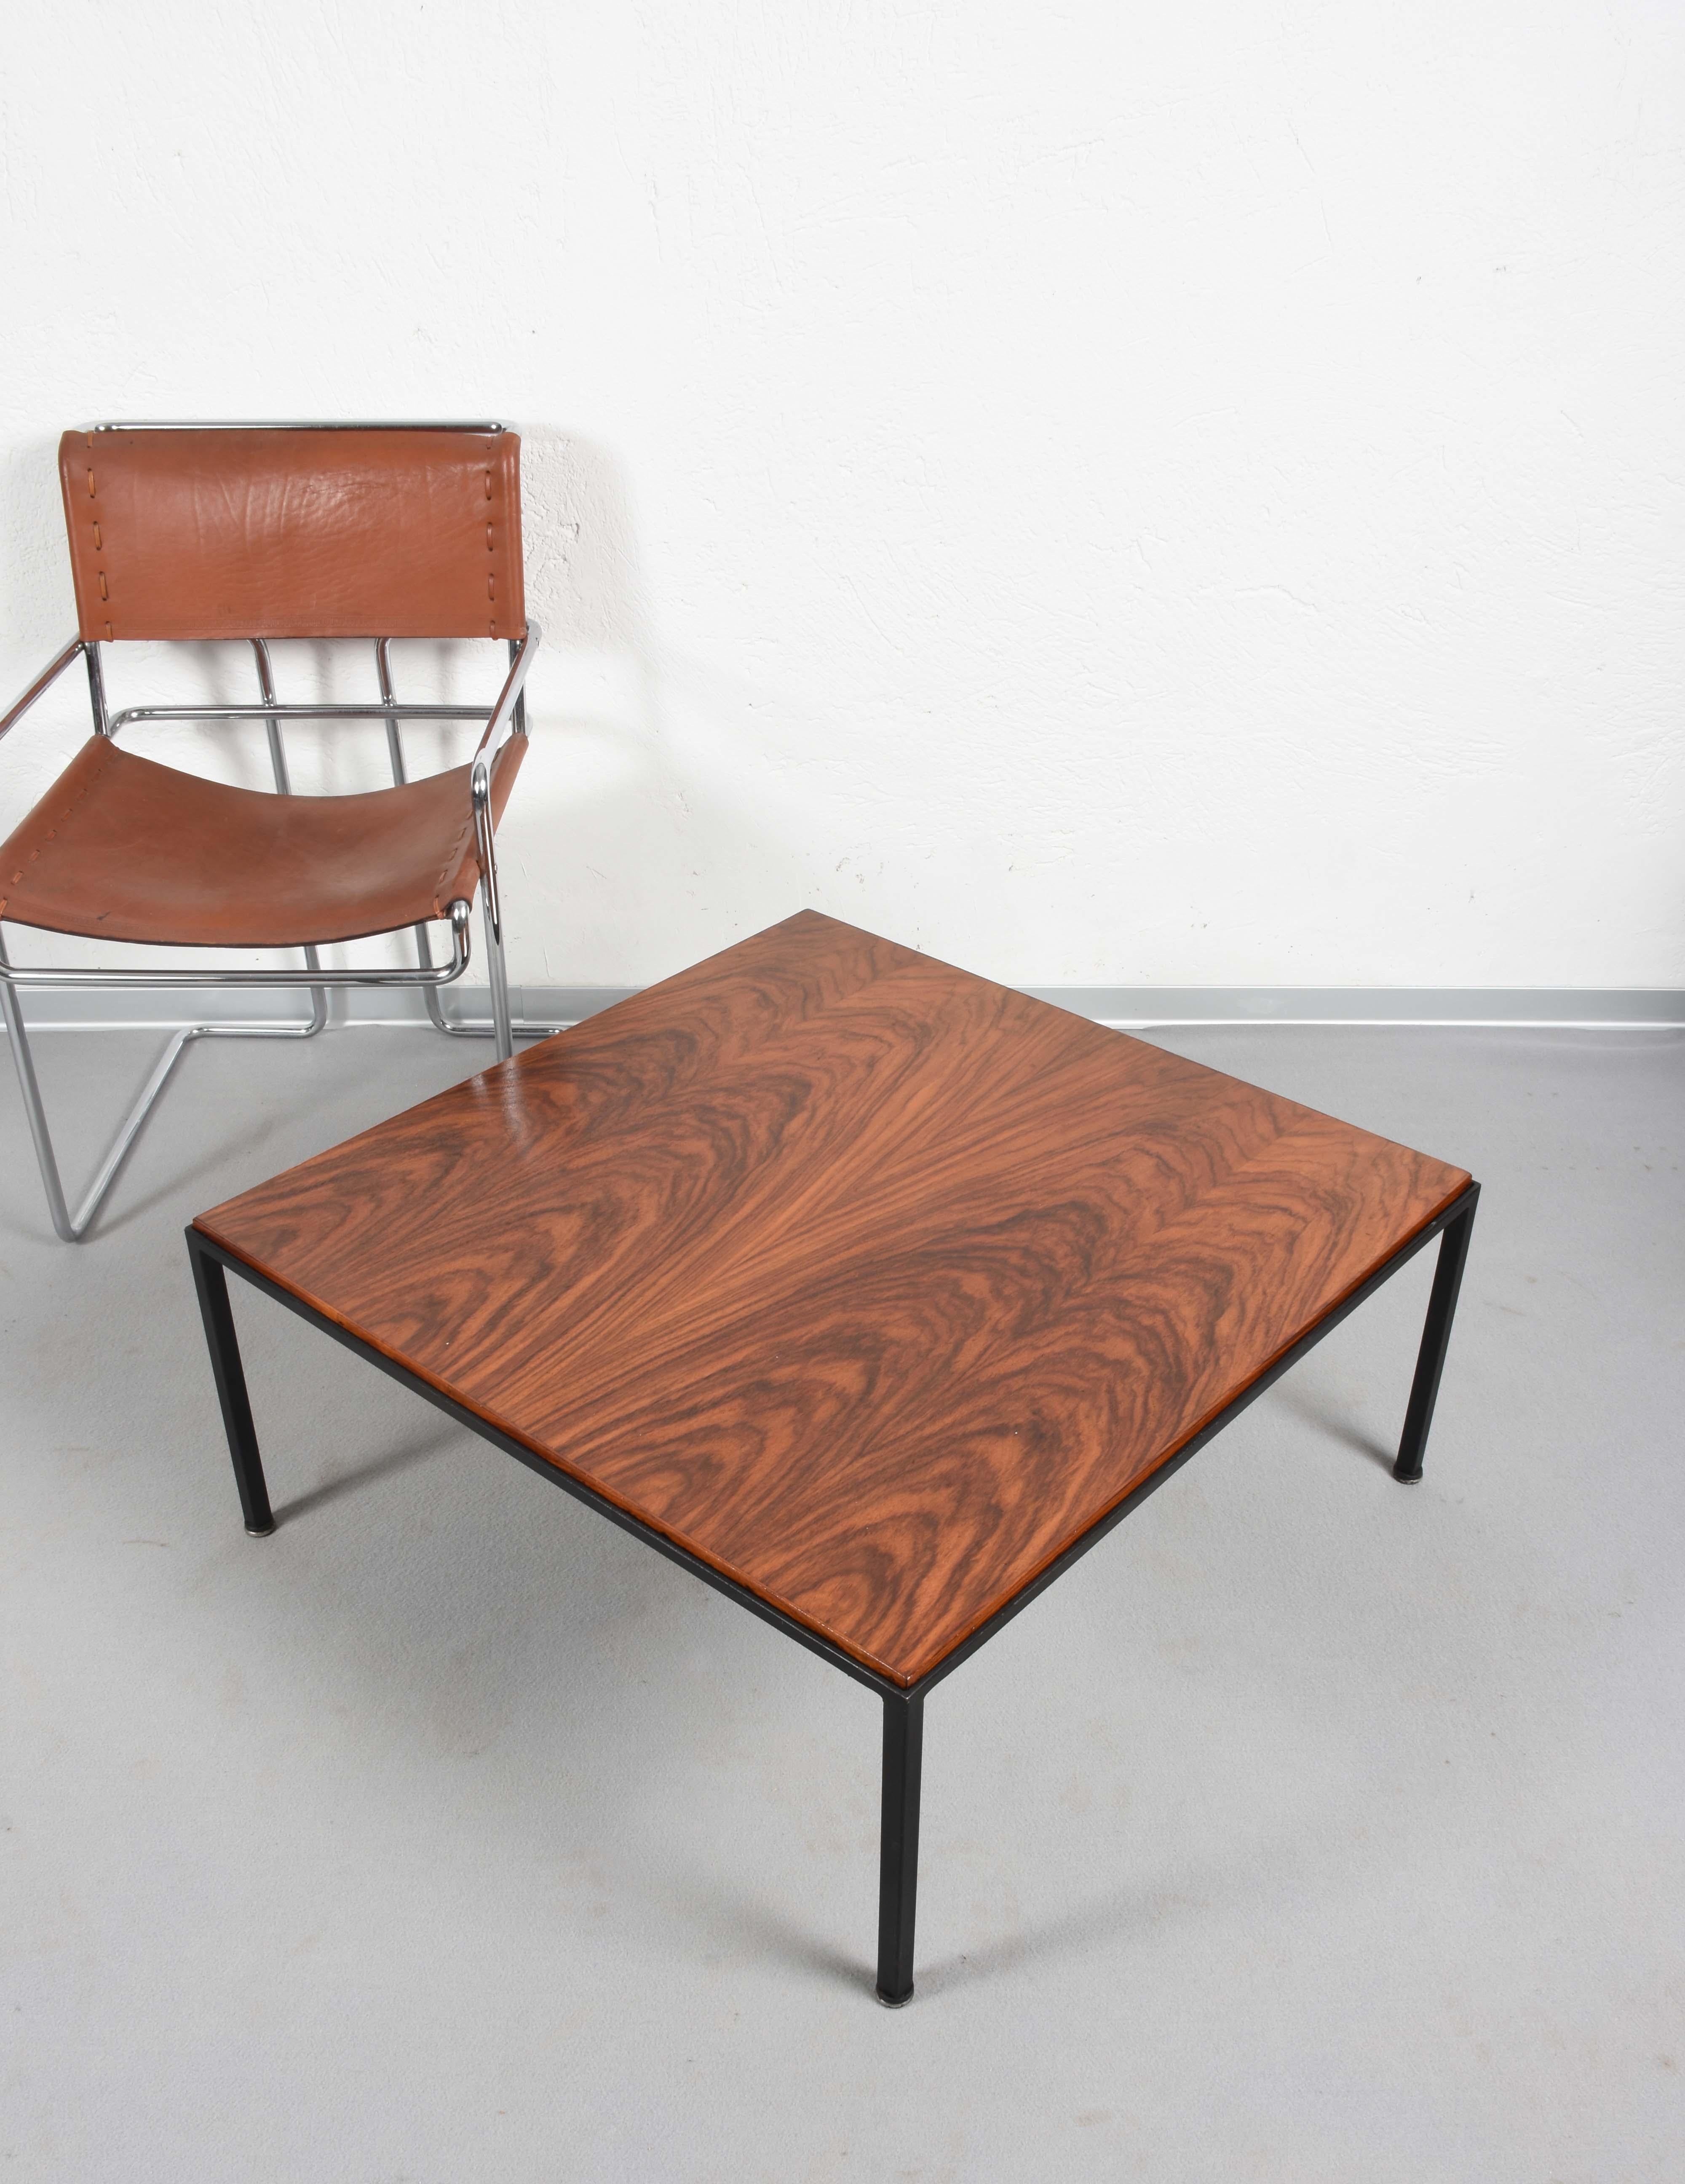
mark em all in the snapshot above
pixel 1448 1278
pixel 212 1284
pixel 897 1887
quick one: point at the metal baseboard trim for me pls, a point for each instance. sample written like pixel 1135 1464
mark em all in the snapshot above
pixel 113 1010
pixel 1556 1008
pixel 1133 1008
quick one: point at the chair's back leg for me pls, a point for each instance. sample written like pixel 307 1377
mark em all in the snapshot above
pixel 283 787
pixel 102 719
pixel 424 953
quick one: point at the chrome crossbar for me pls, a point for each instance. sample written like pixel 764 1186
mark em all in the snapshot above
pixel 13 974
pixel 509 706
pixel 295 425
pixel 296 712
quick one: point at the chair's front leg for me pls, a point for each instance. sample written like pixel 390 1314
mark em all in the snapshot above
pixel 897 1887
pixel 283 787
pixel 17 1038
pixel 491 907
pixel 503 1024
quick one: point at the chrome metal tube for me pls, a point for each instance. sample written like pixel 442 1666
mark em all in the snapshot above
pixel 496 972
pixel 289 425
pixel 508 698
pixel 283 787
pixel 233 978
pixel 24 1061
pixel 291 711
pixel 496 978
pixel 392 708
pixel 70 1226
pixel 44 680
pixel 102 725
pixel 492 909
pixel 480 789
pixel 424 951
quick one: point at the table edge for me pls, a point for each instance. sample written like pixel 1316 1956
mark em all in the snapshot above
pixel 879 1671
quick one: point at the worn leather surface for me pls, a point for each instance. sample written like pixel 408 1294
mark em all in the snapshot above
pixel 124 849
pixel 215 531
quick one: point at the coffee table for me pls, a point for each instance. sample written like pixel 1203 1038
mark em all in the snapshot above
pixel 872 1292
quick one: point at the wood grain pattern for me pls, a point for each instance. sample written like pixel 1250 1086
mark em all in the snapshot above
pixel 872 1283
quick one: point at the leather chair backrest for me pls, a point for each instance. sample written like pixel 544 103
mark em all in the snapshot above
pixel 196 532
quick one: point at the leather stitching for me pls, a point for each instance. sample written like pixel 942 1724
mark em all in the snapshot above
pixel 491 548
pixel 453 861
pixel 88 470
pixel 62 820
pixel 98 542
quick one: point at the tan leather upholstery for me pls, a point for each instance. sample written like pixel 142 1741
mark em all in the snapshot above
pixel 123 848
pixel 226 532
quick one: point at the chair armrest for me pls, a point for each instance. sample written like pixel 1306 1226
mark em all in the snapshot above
pixel 47 677
pixel 509 696
pixel 480 776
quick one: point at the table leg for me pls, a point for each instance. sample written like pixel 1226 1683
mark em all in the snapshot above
pixel 897 1887
pixel 1448 1277
pixel 212 1284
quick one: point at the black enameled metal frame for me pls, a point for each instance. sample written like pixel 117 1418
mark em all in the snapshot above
pixel 902 1703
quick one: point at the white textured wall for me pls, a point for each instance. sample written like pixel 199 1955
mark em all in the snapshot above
pixel 1178 494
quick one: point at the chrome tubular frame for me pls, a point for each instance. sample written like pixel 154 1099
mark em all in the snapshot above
pixel 48 676
pixel 133 713
pixel 511 707
pixel 302 425
pixel 71 1227
pixel 102 719
pixel 508 714
pixel 236 979
pixel 283 787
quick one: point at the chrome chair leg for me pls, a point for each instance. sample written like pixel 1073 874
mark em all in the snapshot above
pixel 491 903
pixel 475 1026
pixel 283 787
pixel 102 718
pixel 501 1026
pixel 12 1008
pixel 72 1228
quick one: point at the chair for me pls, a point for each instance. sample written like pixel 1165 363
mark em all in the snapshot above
pixel 243 534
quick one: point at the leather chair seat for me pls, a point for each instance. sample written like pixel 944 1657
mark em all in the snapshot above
pixel 122 848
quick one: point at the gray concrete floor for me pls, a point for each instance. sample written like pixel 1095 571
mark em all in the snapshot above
pixel 1312 1828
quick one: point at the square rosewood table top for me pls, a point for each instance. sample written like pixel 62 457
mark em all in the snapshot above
pixel 871 1283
